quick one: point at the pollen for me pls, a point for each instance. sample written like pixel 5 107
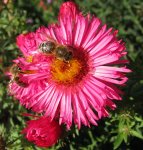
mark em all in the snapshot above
pixel 29 58
pixel 66 72
pixel 29 71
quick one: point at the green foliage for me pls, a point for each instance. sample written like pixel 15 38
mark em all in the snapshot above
pixel 124 128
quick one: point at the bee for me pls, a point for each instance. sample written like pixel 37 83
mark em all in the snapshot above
pixel 15 70
pixel 59 51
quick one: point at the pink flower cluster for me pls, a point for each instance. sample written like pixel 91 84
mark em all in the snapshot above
pixel 77 91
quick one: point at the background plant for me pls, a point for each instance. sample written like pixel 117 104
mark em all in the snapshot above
pixel 124 128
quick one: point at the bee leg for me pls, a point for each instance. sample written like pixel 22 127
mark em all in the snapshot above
pixel 10 85
pixel 11 81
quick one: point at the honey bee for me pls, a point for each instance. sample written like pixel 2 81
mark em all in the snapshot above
pixel 15 70
pixel 59 51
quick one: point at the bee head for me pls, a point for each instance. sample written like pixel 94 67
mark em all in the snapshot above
pixel 15 68
pixel 47 47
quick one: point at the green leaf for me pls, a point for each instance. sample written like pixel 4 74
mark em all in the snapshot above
pixel 138 119
pixel 118 140
pixel 136 134
pixel 125 138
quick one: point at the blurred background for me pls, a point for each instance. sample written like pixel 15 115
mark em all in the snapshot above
pixel 123 130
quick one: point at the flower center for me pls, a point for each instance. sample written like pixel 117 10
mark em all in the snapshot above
pixel 67 72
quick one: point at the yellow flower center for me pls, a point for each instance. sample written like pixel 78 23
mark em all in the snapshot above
pixel 66 72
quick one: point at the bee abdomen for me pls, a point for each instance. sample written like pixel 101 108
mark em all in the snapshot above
pixel 19 82
pixel 63 53
pixel 68 56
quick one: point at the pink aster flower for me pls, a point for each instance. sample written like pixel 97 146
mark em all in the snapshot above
pixel 78 90
pixel 42 132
